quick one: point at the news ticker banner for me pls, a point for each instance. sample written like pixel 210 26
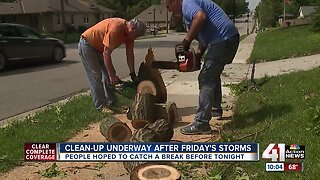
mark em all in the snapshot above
pixel 141 152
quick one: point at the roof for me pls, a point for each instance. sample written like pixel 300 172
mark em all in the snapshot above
pixel 37 6
pixel 9 8
pixel 160 13
pixel 93 5
pixel 307 10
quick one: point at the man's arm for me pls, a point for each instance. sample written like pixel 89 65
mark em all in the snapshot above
pixel 196 25
pixel 130 56
pixel 114 79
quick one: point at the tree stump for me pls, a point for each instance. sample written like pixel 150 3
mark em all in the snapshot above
pixel 155 171
pixel 114 130
pixel 167 111
pixel 143 113
pixel 146 72
pixel 147 87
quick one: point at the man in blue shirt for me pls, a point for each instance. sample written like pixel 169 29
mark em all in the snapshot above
pixel 206 22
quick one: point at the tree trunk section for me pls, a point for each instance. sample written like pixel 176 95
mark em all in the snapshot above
pixel 146 72
pixel 143 110
pixel 159 131
pixel 168 111
pixel 155 171
pixel 147 86
pixel 114 130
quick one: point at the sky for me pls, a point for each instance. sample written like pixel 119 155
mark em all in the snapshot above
pixel 253 4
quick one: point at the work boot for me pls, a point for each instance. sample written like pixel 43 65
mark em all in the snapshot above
pixel 217 114
pixel 196 128
pixel 106 108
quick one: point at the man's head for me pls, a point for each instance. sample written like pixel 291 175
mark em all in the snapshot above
pixel 136 28
pixel 174 6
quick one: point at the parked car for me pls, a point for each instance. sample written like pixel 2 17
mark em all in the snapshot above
pixel 154 30
pixel 19 42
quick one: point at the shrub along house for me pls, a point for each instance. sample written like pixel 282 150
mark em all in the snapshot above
pixel 46 15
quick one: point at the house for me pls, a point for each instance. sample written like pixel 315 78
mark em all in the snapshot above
pixel 306 11
pixel 46 15
pixel 156 15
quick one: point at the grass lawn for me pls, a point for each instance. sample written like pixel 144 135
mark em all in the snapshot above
pixel 282 43
pixel 56 124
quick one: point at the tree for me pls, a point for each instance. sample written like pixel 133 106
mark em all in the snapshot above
pixel 127 9
pixel 240 7
pixel 315 19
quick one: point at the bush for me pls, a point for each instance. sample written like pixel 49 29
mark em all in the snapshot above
pixel 179 29
pixel 70 28
pixel 315 19
pixel 81 29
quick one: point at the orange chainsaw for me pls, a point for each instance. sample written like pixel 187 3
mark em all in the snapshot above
pixel 186 61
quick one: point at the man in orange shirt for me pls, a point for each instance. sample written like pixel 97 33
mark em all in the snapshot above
pixel 95 47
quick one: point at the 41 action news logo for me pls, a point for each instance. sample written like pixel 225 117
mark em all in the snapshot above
pixel 281 152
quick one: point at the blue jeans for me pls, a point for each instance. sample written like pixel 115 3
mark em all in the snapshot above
pixel 97 75
pixel 210 96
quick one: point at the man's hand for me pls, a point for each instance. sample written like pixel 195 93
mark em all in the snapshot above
pixel 114 80
pixel 134 78
pixel 186 44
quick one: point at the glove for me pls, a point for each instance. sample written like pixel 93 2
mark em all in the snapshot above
pixel 134 77
pixel 186 45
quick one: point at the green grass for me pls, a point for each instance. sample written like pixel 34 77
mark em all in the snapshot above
pixel 287 107
pixel 56 124
pixel 282 43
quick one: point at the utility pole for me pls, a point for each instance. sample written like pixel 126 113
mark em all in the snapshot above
pixel 167 22
pixel 234 11
pixel 284 13
pixel 248 15
pixel 154 21
pixel 63 19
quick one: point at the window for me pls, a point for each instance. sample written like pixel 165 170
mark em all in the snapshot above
pixel 86 18
pixel 25 32
pixel 7 31
pixel 58 19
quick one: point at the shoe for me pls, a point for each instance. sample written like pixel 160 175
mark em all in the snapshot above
pixel 196 128
pixel 217 114
pixel 106 109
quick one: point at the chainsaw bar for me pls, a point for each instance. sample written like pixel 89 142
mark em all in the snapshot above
pixel 164 65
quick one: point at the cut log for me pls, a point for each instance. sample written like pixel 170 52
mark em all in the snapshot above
pixel 159 131
pixel 146 72
pixel 114 130
pixel 129 113
pixel 172 112
pixel 168 111
pixel 145 87
pixel 143 113
pixel 155 171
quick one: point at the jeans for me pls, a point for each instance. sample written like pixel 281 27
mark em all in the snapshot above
pixel 210 96
pixel 97 75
